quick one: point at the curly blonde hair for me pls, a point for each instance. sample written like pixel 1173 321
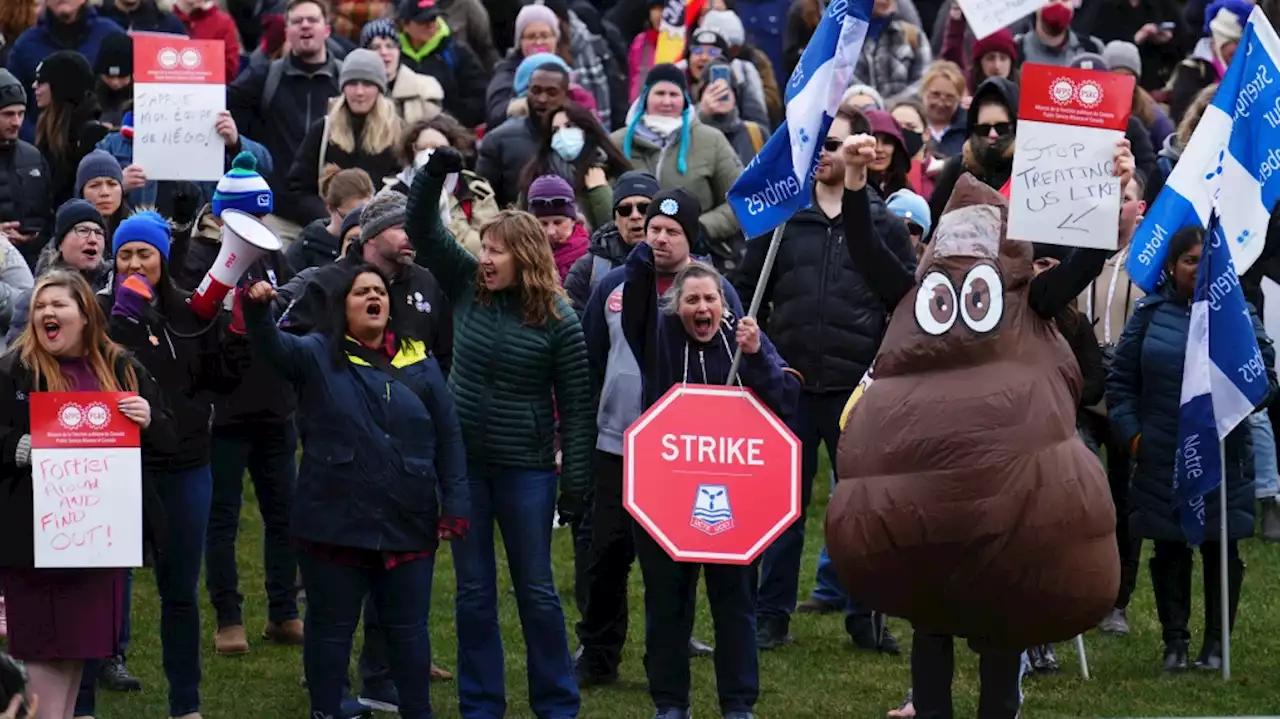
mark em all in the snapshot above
pixel 536 274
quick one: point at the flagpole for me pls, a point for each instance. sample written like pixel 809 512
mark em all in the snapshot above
pixel 756 298
pixel 1222 561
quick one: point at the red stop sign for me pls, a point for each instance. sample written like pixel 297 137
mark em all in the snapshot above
pixel 712 474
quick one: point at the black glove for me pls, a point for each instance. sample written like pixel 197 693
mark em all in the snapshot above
pixel 186 203
pixel 569 508
pixel 443 161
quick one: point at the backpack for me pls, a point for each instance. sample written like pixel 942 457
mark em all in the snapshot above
pixel 600 266
pixel 272 85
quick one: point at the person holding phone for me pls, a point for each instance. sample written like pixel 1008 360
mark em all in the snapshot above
pixel 718 108
pixel 1150 28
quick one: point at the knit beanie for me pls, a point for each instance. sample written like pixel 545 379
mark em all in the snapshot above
pixel 98 163
pixel 382 27
pixel 1224 20
pixel 243 189
pixel 1121 55
pixel 69 76
pixel 1090 61
pixel 536 13
pixel 71 213
pixel 871 92
pixel 634 183
pixel 552 196
pixel 384 211
pixel 351 220
pixel 911 206
pixel 146 226
pixel 664 72
pixel 998 41
pixel 115 56
pixel 11 90
pixel 365 65
pixel 705 36
pixel 727 25
pixel 680 205
pixel 524 71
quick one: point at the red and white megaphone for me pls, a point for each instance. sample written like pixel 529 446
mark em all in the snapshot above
pixel 244 240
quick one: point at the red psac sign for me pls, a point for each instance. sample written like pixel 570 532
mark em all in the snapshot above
pixel 711 474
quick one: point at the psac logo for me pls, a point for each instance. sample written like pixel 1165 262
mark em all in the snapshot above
pixel 1088 93
pixel 170 58
pixel 73 416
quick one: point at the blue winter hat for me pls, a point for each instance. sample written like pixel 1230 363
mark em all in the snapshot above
pixel 243 189
pixel 524 72
pixel 146 226
pixel 910 206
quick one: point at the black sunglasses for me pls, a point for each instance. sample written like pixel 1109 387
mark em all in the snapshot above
pixel 914 230
pixel 983 129
pixel 626 209
pixel 832 144
pixel 550 203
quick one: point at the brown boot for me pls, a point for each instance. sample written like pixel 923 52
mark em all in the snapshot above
pixel 231 640
pixel 287 632
pixel 440 675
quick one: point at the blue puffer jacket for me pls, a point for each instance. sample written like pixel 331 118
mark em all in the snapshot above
pixel 374 456
pixel 661 346
pixel 1144 390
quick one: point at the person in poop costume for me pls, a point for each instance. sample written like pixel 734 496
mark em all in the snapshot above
pixel 966 502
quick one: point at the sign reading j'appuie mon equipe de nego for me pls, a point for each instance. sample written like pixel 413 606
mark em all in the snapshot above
pixel 711 474
pixel 1063 191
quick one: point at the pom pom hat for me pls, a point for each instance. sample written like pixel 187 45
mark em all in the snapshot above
pixel 243 189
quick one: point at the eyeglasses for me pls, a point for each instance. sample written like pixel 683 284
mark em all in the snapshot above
pixel 627 209
pixel 550 203
pixel 306 20
pixel 545 38
pixel 935 96
pixel 708 50
pixel 984 129
pixel 85 232
pixel 832 144
pixel 914 230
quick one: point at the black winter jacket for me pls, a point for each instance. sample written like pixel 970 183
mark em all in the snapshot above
pixel 823 316
pixel 26 195
pixel 504 152
pixel 461 75
pixel 302 202
pixel 315 247
pixel 606 251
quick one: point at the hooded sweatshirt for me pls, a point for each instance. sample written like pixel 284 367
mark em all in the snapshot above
pixel 992 171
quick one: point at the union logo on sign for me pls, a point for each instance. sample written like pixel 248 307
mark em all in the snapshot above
pixel 711 512
pixel 168 58
pixel 190 58
pixel 71 416
pixel 98 415
pixel 1090 93
pixel 1062 90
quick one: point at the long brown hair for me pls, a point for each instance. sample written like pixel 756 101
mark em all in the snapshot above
pixel 16 16
pixel 1144 107
pixel 53 131
pixel 100 353
pixel 536 274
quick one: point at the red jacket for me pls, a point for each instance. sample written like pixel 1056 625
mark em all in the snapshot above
pixel 213 23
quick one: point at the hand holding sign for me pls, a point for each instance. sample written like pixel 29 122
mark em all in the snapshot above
pixel 137 409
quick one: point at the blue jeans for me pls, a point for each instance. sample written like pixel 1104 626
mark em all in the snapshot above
pixel 335 595
pixel 816 421
pixel 266 450
pixel 522 503
pixel 1266 482
pixel 185 495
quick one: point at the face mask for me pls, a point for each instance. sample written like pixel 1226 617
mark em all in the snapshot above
pixel 568 143
pixel 913 140
pixel 993 154
pixel 1056 18
pixel 535 49
pixel 662 124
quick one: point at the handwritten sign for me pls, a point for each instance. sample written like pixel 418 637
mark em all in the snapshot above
pixel 987 16
pixel 1062 191
pixel 86 474
pixel 179 89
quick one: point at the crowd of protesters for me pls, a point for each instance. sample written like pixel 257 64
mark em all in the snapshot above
pixel 506 232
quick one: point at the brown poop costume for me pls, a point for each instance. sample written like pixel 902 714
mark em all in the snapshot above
pixel 967 503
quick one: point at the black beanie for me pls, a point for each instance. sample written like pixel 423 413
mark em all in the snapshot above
pixel 69 76
pixel 634 183
pixel 115 56
pixel 680 205
pixel 666 72
pixel 72 213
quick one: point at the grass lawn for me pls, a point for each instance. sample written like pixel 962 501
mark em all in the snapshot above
pixel 818 676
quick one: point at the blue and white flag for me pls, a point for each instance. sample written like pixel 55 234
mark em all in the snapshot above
pixel 1223 379
pixel 1232 158
pixel 778 183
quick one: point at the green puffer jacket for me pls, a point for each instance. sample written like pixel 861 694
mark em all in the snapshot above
pixel 506 373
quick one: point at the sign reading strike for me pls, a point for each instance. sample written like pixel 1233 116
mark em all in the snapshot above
pixel 179 89
pixel 987 16
pixel 86 475
pixel 711 474
pixel 1062 189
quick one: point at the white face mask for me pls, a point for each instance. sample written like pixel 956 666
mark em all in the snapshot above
pixel 662 124
pixel 568 143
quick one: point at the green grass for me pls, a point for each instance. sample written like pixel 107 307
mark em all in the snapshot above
pixel 818 676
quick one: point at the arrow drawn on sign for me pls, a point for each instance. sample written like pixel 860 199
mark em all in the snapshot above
pixel 1069 220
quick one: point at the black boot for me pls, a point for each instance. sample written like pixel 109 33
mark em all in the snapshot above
pixel 1170 581
pixel 1211 653
pixel 116 677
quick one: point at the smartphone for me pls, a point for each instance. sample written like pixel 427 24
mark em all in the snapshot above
pixel 720 72
pixel 1168 26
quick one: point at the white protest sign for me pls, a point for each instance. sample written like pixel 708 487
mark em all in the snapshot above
pixel 86 476
pixel 1062 190
pixel 988 16
pixel 179 89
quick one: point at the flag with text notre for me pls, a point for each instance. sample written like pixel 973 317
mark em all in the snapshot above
pixel 778 182
pixel 1223 378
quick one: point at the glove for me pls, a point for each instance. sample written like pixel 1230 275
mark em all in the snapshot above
pixel 133 298
pixel 443 161
pixel 186 203
pixel 237 313
pixel 569 508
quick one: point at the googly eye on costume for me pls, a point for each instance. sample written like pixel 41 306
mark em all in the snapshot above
pixel 936 304
pixel 982 298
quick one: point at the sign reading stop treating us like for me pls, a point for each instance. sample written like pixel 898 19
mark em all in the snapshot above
pixel 711 474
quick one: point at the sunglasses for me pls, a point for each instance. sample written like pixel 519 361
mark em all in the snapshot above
pixel 708 50
pixel 627 209
pixel 550 203
pixel 832 144
pixel 984 129
pixel 914 230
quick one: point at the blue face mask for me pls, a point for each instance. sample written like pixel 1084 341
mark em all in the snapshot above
pixel 568 143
